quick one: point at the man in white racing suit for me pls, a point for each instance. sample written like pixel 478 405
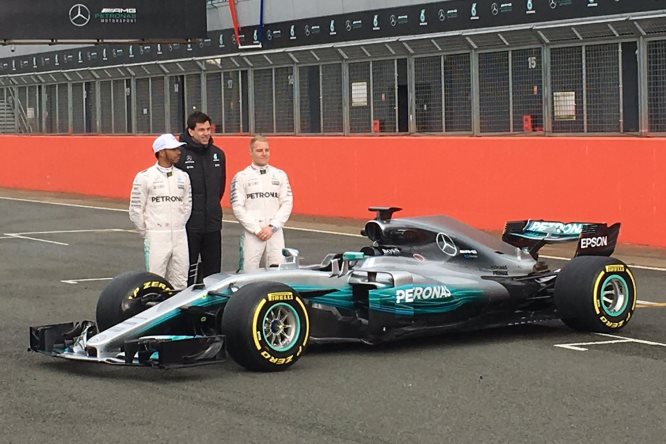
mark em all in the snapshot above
pixel 160 205
pixel 261 201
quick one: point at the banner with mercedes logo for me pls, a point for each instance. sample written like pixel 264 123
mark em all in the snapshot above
pixel 107 20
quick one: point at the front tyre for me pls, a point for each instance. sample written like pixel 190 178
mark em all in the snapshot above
pixel 596 294
pixel 129 294
pixel 266 326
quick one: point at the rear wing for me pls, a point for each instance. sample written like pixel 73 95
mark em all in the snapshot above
pixel 594 239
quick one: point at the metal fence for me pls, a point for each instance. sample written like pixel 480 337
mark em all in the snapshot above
pixel 602 86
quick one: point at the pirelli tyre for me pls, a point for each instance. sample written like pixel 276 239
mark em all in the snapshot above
pixel 594 293
pixel 129 294
pixel 266 326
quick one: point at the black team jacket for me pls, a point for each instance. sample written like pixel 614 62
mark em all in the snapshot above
pixel 206 165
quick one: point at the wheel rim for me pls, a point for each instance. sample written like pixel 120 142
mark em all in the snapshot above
pixel 281 327
pixel 614 295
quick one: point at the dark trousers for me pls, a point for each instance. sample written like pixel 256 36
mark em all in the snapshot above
pixel 209 247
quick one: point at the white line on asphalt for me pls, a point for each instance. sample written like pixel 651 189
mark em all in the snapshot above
pixel 578 346
pixel 63 204
pixel 76 281
pixel 648 304
pixel 640 341
pixel 311 230
pixel 642 267
pixel 71 231
pixel 17 236
pixel 23 235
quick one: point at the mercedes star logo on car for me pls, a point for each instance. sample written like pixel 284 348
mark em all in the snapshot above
pixel 79 15
pixel 445 243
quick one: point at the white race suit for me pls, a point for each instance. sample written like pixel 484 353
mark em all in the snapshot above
pixel 260 197
pixel 160 205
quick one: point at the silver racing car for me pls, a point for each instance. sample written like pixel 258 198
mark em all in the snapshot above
pixel 417 276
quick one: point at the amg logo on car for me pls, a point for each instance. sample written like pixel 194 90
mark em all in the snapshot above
pixel 614 268
pixel 391 251
pixel 592 242
pixel 280 296
pixel 420 293
pixel 554 227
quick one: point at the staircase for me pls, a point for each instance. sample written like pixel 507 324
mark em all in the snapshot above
pixel 7 119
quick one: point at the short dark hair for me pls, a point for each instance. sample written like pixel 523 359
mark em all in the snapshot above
pixel 197 117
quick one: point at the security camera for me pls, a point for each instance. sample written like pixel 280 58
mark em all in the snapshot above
pixel 12 48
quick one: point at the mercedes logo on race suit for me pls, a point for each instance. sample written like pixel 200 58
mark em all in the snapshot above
pixel 445 244
pixel 79 15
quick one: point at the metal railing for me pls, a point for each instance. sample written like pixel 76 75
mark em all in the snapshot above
pixel 588 78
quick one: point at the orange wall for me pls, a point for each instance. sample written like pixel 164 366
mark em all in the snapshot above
pixel 482 181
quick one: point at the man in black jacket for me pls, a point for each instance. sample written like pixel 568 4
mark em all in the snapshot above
pixel 206 165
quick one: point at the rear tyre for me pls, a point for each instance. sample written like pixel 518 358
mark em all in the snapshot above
pixel 266 326
pixel 594 293
pixel 127 295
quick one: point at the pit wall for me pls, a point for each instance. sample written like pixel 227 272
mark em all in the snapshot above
pixel 481 181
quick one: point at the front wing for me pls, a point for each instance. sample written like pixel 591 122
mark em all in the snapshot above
pixel 69 340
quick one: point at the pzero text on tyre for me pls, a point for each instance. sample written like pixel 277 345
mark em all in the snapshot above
pixel 596 294
pixel 266 326
pixel 125 296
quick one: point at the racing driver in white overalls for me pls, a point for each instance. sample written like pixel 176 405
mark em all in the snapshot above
pixel 160 205
pixel 261 201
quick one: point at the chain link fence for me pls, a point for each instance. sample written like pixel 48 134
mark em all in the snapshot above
pixel 656 86
pixel 457 93
pixel 602 88
pixel 494 92
pixel 332 98
pixel 143 114
pixel 567 72
pixel 526 90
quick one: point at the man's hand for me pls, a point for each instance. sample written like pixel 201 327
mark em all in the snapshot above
pixel 265 233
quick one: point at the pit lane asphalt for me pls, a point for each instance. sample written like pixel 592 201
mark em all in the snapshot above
pixel 502 385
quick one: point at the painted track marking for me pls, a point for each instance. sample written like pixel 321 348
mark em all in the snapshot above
pixel 76 281
pixel 578 346
pixel 24 235
pixel 310 230
pixel 648 304
pixel 63 204
pixel 18 236
pixel 71 231
pixel 642 267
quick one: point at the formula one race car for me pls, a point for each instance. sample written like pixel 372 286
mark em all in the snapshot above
pixel 420 276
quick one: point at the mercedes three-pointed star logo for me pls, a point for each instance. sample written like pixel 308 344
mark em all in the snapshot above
pixel 79 15
pixel 445 243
